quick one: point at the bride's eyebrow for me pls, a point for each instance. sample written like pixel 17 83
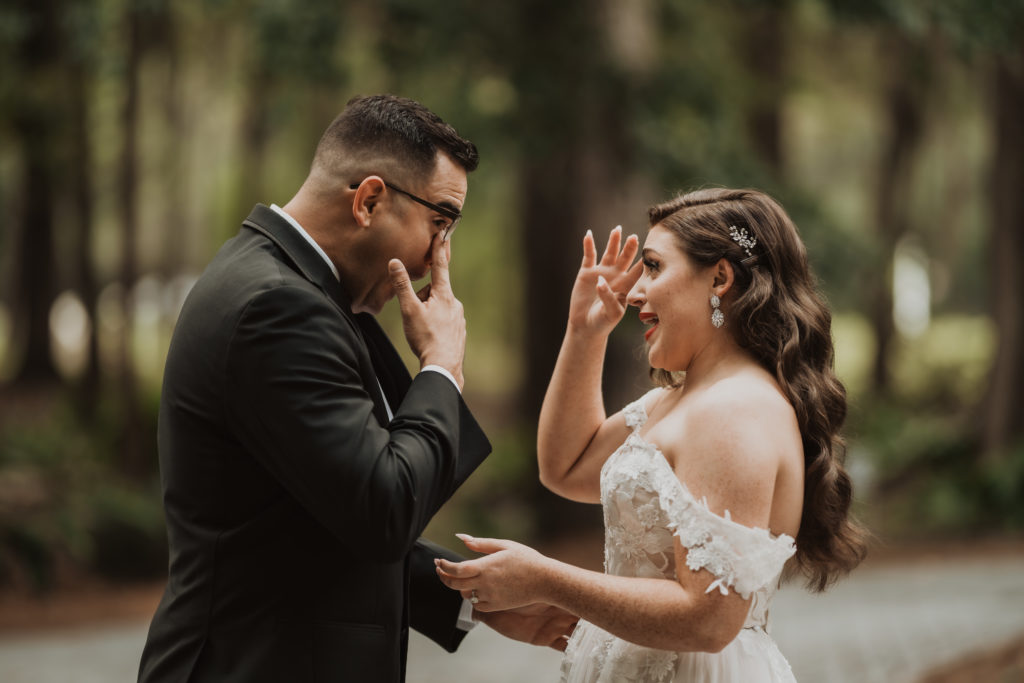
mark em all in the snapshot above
pixel 648 252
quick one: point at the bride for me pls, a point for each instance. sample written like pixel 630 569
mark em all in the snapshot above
pixel 711 482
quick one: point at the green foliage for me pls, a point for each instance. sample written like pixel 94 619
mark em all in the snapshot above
pixel 65 510
pixel 127 532
pixel 980 26
pixel 927 477
pixel 948 365
pixel 297 40
pixel 974 26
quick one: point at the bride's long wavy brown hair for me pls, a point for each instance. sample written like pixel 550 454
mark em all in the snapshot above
pixel 774 311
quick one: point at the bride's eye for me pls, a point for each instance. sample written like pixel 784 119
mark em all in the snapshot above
pixel 650 266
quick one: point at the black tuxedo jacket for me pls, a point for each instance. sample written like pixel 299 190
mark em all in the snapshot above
pixel 293 506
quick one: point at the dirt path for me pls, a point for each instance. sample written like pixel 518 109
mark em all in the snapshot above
pixel 894 620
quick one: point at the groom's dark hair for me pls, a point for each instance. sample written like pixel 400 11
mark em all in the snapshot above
pixel 389 135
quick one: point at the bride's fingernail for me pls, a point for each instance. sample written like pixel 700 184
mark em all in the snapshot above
pixel 465 538
pixel 618 227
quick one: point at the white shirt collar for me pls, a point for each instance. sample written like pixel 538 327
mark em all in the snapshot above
pixel 295 224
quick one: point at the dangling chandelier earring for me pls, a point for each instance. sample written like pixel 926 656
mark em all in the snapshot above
pixel 717 317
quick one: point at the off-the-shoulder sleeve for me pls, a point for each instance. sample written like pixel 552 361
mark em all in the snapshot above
pixel 743 558
pixel 636 412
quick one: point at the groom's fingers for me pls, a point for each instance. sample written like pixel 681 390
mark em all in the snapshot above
pixel 402 285
pixel 555 634
pixel 439 276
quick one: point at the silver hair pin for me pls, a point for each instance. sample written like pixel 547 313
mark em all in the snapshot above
pixel 743 238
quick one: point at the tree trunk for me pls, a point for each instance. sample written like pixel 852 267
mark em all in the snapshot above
pixel 904 115
pixel 574 177
pixel 764 52
pixel 37 125
pixel 87 391
pixel 255 131
pixel 1002 422
pixel 175 243
pixel 131 435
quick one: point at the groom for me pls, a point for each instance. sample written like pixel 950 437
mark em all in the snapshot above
pixel 299 460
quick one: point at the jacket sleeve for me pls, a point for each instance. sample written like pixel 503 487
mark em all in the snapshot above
pixel 433 607
pixel 299 403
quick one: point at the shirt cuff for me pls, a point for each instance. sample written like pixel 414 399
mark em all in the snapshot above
pixel 438 368
pixel 466 621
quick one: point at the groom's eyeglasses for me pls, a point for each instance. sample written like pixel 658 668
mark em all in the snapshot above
pixel 452 215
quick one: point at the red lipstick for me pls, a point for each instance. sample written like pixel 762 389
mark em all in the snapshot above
pixel 649 319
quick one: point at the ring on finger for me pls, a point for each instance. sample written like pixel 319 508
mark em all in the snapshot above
pixel 473 597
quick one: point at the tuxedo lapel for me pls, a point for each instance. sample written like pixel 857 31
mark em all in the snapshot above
pixel 303 256
pixel 387 372
pixel 391 371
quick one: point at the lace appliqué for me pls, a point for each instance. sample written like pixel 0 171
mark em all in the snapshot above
pixel 643 498
pixel 635 414
pixel 620 661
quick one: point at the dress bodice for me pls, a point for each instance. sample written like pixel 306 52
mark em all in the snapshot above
pixel 646 507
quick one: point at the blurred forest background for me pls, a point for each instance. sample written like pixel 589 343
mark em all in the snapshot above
pixel 135 137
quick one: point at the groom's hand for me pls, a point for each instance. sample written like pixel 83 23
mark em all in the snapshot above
pixel 536 624
pixel 434 321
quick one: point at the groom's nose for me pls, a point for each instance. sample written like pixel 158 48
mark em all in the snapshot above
pixel 447 253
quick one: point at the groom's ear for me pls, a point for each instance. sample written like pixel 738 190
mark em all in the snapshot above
pixel 366 199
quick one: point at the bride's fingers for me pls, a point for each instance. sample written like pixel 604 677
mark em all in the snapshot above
pixel 487 545
pixel 612 250
pixel 454 582
pixel 609 298
pixel 628 252
pixel 589 250
pixel 632 275
pixel 462 570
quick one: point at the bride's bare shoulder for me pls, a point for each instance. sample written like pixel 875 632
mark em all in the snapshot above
pixel 734 438
pixel 748 409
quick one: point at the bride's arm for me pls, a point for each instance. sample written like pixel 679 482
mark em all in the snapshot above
pixel 679 615
pixel 574 437
pixel 737 472
pixel 659 613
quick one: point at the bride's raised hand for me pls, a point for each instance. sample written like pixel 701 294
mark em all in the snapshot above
pixel 598 298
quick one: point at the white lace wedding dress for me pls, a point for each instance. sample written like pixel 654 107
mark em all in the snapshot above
pixel 645 505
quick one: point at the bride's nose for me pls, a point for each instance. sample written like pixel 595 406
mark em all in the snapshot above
pixel 636 295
